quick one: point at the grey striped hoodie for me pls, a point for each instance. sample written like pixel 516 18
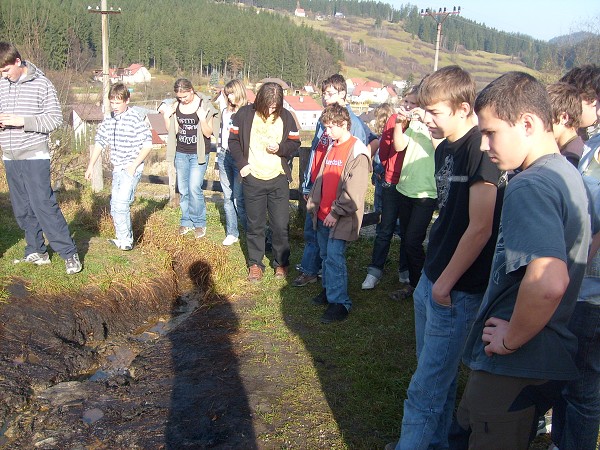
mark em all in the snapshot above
pixel 33 97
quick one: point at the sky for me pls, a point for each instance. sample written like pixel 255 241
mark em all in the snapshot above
pixel 541 19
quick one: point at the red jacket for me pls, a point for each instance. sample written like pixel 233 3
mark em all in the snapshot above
pixel 390 159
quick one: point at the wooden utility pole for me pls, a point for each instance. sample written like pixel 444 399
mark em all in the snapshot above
pixel 97 179
pixel 439 17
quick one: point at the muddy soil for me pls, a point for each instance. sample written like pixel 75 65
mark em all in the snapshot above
pixel 154 371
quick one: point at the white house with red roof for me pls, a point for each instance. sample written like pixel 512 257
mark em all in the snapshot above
pixel 369 92
pixel 135 73
pixel 351 83
pixel 299 12
pixel 305 108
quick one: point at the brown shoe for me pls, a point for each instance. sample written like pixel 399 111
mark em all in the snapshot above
pixel 281 272
pixel 255 273
pixel 199 232
pixel 184 230
pixel 304 279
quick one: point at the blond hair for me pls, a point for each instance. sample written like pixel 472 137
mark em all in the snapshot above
pixel 382 114
pixel 237 88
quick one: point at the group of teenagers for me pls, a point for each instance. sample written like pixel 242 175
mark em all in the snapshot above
pixel 509 282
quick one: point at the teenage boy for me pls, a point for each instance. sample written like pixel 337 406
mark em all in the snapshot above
pixel 333 91
pixel 130 141
pixel 461 243
pixel 520 349
pixel 576 415
pixel 29 112
pixel 587 80
pixel 566 115
pixel 336 205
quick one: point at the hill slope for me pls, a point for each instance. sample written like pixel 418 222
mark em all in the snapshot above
pixel 387 53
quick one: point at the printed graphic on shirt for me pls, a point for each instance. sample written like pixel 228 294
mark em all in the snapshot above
pixel 320 150
pixel 188 130
pixel 444 179
pixel 499 263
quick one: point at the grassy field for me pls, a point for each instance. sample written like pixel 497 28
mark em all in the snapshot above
pixel 336 386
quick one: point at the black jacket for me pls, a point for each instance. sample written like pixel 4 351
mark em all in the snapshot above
pixel 239 138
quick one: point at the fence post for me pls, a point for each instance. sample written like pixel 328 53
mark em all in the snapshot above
pixel 303 156
pixel 173 197
pixel 97 175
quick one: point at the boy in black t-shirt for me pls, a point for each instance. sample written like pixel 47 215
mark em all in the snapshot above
pixel 458 260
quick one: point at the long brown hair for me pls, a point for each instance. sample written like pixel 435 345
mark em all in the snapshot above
pixel 183 85
pixel 269 94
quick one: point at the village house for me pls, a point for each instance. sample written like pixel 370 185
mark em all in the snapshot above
pixel 305 108
pixel 299 12
pixel 135 73
pixel 369 92
pixel 85 118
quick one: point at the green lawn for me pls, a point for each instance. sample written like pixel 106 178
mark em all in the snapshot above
pixel 336 386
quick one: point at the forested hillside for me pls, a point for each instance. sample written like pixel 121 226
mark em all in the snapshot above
pixel 171 36
pixel 253 38
pixel 458 32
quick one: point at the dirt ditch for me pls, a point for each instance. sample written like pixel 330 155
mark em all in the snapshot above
pixel 139 368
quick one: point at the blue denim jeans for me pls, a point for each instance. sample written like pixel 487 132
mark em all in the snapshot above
pixel 121 198
pixel 576 416
pixel 335 273
pixel 190 176
pixel 311 259
pixel 233 196
pixel 440 332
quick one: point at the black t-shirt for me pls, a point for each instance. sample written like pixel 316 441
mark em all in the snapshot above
pixel 458 165
pixel 188 133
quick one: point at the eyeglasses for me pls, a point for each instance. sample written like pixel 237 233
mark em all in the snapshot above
pixel 330 93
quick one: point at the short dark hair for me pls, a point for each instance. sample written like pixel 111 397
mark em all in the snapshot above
pixel 336 114
pixel 119 91
pixel 586 79
pixel 269 93
pixel 336 81
pixel 565 99
pixel 450 84
pixel 512 95
pixel 8 54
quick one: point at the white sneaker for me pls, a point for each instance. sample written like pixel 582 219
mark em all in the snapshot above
pixel 230 240
pixel 73 265
pixel 403 277
pixel 39 259
pixel 370 282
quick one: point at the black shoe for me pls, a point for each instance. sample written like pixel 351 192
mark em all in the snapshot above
pixel 335 312
pixel 320 299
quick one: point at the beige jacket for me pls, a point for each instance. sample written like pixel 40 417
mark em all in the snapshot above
pixel 211 114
